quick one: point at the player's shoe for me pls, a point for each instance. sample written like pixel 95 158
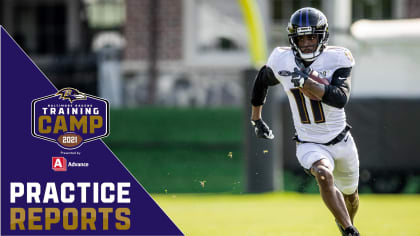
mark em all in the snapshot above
pixel 349 231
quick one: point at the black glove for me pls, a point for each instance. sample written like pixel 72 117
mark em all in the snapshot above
pixel 300 76
pixel 261 129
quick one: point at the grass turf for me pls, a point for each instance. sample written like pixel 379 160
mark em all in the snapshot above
pixel 173 149
pixel 179 169
pixel 287 214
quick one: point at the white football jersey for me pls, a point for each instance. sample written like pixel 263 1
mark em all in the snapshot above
pixel 314 121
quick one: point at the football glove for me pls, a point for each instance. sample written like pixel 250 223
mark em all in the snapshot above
pixel 262 130
pixel 300 76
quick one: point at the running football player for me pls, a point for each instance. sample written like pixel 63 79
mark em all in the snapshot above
pixel 316 79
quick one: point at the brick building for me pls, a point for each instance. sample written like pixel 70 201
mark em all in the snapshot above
pixel 196 62
pixel 195 49
pixel 200 47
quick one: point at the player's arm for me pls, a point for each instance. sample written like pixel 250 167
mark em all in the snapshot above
pixel 312 86
pixel 256 112
pixel 337 93
pixel 264 79
pixel 309 82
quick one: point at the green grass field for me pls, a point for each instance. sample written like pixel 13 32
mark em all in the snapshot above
pixel 172 150
pixel 287 214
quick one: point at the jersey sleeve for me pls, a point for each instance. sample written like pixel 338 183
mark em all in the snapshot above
pixel 266 77
pixel 346 59
pixel 263 80
pixel 276 59
pixel 338 92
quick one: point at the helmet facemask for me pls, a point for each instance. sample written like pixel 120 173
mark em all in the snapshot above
pixel 321 44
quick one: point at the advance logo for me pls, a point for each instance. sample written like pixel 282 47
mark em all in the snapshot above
pixel 59 164
pixel 70 118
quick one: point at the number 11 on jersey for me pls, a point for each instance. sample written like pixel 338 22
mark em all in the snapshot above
pixel 316 107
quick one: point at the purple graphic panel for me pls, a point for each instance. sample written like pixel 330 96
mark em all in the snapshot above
pixel 49 190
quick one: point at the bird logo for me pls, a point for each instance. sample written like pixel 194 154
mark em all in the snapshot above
pixel 70 94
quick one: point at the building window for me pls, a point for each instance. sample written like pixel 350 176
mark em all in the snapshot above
pixel 105 14
pixel 215 33
pixel 51 38
pixel 41 29
pixel 220 26
pixel 372 9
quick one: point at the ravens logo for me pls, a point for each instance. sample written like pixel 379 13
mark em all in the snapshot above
pixel 70 94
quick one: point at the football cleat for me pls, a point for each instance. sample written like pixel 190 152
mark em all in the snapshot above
pixel 349 231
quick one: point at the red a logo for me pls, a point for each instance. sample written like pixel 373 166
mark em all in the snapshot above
pixel 59 164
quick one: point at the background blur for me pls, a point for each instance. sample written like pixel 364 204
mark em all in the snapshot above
pixel 178 73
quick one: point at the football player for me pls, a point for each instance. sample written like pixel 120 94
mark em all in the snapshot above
pixel 316 79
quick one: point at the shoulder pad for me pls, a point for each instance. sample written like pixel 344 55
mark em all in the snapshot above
pixel 340 55
pixel 278 55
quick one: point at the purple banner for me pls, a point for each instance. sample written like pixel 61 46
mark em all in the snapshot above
pixel 51 184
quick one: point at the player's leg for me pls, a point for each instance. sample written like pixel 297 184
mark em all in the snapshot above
pixel 352 204
pixel 333 198
pixel 316 158
pixel 346 174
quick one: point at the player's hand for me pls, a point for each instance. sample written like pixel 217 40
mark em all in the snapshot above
pixel 261 129
pixel 299 77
